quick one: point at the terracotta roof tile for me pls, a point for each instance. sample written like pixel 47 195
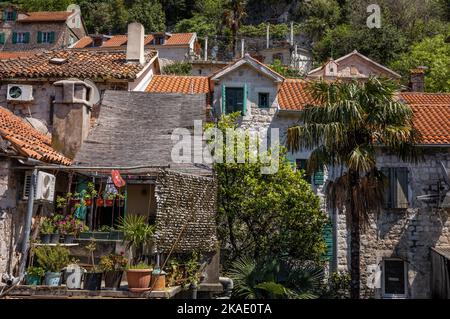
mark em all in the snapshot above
pixel 179 84
pixel 179 39
pixel 46 16
pixel 116 41
pixel 79 63
pixel 431 115
pixel 83 43
pixel 27 140
pixel 4 55
pixel 293 94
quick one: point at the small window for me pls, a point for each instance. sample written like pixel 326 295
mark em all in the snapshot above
pixel 301 164
pixel 46 37
pixel 263 100
pixel 199 71
pixel 9 15
pixel 394 278
pixel 21 37
pixel 396 191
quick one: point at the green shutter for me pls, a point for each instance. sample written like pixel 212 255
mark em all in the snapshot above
pixel 2 38
pixel 52 37
pixel 39 37
pixel 223 100
pixel 26 37
pixel 14 37
pixel 318 178
pixel 5 15
pixel 14 15
pixel 327 234
pixel 244 104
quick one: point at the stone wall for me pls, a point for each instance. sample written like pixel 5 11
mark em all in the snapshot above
pixel 185 199
pixel 406 234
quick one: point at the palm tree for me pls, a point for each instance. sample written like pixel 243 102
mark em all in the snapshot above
pixel 233 15
pixel 348 124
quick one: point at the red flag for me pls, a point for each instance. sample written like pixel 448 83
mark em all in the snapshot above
pixel 117 179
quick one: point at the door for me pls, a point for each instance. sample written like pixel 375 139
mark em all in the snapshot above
pixel 234 100
pixel 394 279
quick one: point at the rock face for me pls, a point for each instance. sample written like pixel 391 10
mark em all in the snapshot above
pixel 186 205
pixel 402 234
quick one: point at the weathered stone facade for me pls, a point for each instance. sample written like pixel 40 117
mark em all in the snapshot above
pixel 405 234
pixel 190 200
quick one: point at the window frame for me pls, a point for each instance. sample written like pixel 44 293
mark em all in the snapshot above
pixel 21 37
pixel 260 94
pixel 10 16
pixel 391 200
pixel 405 280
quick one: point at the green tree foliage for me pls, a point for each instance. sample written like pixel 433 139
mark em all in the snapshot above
pixel 285 70
pixel 178 68
pixel 149 13
pixel 267 214
pixel 198 23
pixel 351 121
pixel 431 52
pixel 43 5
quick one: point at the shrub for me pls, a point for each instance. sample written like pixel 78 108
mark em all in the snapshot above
pixel 52 259
pixel 35 271
pixel 177 68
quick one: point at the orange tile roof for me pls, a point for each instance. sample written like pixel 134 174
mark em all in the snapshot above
pixel 431 115
pixel 293 95
pixel 46 16
pixel 179 39
pixel 78 63
pixel 83 42
pixel 27 140
pixel 116 41
pixel 179 84
pixel 15 54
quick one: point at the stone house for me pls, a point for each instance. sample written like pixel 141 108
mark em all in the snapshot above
pixel 397 244
pixel 25 31
pixel 351 66
pixel 26 83
pixel 170 46
pixel 21 146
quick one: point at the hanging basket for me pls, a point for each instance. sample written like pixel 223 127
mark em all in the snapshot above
pixel 100 201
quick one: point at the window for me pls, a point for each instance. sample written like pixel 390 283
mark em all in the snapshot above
pixel 21 37
pixel 317 177
pixel 301 164
pixel 9 15
pixel 396 192
pixel 234 99
pixel 46 37
pixel 159 40
pixel 263 100
pixel 394 278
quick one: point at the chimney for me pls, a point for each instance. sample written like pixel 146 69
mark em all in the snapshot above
pixel 417 79
pixel 97 40
pixel 71 117
pixel 135 43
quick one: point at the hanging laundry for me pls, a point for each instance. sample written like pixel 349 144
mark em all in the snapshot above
pixel 117 179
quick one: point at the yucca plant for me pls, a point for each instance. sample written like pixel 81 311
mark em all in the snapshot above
pixel 345 127
pixel 137 234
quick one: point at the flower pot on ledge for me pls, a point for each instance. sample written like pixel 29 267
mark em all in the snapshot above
pixel 139 279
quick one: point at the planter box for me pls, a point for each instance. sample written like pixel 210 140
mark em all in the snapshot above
pixel 94 234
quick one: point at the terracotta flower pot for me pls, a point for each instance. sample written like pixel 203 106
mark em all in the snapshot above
pixel 100 202
pixel 109 202
pixel 87 202
pixel 139 279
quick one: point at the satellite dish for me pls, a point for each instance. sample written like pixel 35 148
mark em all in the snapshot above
pixel 73 8
pixel 95 94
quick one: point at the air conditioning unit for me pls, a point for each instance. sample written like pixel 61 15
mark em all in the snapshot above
pixel 44 189
pixel 19 92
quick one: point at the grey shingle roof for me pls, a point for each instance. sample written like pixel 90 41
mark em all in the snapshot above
pixel 134 129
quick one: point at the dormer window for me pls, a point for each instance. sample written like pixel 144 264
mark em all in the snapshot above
pixel 159 40
pixel 9 15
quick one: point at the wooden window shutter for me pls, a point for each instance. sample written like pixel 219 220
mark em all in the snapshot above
pixel 318 178
pixel 2 38
pixel 14 15
pixel 26 37
pixel 39 37
pixel 5 15
pixel 244 104
pixel 224 100
pixel 14 37
pixel 401 187
pixel 388 190
pixel 328 237
pixel 52 37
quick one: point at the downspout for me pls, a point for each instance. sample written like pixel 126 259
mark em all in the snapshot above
pixel 228 286
pixel 27 228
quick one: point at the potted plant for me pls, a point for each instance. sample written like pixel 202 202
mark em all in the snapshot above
pixel 109 201
pixel 70 227
pixel 75 199
pixel 47 229
pixel 120 200
pixel 90 194
pixel 138 235
pixel 56 235
pixel 34 275
pixel 53 260
pixel 100 202
pixel 93 277
pixel 61 201
pixel 193 274
pixel 113 266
